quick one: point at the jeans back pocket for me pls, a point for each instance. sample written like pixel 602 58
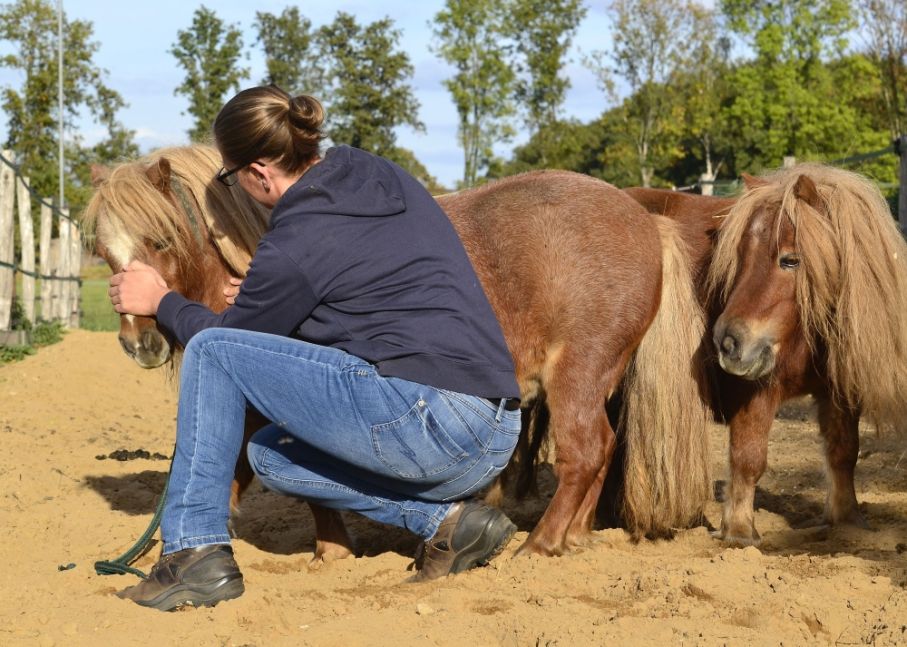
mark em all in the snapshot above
pixel 415 445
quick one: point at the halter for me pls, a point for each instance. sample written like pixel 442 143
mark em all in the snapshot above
pixel 180 193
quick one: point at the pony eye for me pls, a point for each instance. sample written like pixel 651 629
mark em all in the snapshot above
pixel 162 245
pixel 789 262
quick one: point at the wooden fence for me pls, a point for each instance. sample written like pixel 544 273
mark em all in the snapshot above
pixel 59 259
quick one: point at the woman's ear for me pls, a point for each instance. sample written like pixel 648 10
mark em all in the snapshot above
pixel 262 174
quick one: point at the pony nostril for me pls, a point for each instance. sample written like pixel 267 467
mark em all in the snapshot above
pixel 151 342
pixel 128 348
pixel 729 345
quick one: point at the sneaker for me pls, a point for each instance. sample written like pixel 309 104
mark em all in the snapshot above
pixel 200 576
pixel 472 534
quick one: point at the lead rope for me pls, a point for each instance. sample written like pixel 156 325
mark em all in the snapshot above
pixel 122 564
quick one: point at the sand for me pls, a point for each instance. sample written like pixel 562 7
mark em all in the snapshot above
pixel 61 505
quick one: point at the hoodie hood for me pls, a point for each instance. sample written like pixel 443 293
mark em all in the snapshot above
pixel 347 181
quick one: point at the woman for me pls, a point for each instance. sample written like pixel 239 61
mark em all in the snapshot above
pixel 361 331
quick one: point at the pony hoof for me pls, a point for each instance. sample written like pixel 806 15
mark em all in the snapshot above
pixel 855 520
pixel 741 541
pixel 326 552
pixel 542 551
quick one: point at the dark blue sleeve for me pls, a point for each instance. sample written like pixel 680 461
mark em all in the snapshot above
pixel 274 298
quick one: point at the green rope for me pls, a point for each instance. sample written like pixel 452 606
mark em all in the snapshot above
pixel 122 564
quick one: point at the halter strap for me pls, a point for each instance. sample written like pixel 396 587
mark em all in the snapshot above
pixel 188 208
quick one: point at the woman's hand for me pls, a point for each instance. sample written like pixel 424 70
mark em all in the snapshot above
pixel 232 290
pixel 137 290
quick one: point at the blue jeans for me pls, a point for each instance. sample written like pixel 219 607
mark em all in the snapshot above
pixel 342 436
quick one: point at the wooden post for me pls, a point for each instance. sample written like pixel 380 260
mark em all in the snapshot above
pixel 63 271
pixel 7 228
pixel 27 241
pixel 789 161
pixel 75 267
pixel 44 263
pixel 902 183
pixel 707 183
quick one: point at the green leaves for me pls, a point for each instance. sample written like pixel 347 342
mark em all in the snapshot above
pixel 366 79
pixel 29 29
pixel 290 53
pixel 209 51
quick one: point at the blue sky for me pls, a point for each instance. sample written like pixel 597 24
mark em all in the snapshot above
pixel 134 38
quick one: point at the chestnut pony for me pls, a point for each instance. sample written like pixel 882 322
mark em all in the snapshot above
pixel 587 289
pixel 807 294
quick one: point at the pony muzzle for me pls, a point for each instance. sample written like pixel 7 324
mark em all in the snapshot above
pixel 149 348
pixel 742 353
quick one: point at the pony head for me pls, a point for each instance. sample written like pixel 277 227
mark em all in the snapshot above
pixel 167 211
pixel 810 274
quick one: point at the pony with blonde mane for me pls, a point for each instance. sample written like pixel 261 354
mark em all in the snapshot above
pixel 124 214
pixel 808 279
pixel 586 288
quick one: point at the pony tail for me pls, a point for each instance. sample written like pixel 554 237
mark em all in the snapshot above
pixel 665 416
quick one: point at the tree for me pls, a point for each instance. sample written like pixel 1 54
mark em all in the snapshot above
pixel 542 31
pixel 30 29
pixel 703 89
pixel 885 24
pixel 288 43
pixel 566 144
pixel 209 51
pixel 366 75
pixel 785 101
pixel 469 35
pixel 651 44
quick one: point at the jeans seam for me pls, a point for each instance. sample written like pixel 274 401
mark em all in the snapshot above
pixel 194 427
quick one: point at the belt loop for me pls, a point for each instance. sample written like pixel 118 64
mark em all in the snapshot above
pixel 501 406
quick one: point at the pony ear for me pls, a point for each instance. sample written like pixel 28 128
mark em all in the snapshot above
pixel 805 189
pixel 99 175
pixel 159 174
pixel 752 182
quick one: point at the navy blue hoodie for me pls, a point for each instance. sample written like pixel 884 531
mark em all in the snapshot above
pixel 359 256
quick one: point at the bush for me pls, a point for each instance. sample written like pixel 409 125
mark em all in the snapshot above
pixel 42 333
pixel 14 353
pixel 46 333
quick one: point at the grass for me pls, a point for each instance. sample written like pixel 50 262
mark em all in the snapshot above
pixel 97 313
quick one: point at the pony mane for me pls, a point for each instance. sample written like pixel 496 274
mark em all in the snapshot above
pixel 127 197
pixel 851 287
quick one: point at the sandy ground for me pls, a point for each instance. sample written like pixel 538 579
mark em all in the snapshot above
pixel 59 504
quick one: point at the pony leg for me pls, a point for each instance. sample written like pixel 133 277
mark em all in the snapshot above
pixel 840 434
pixel 243 474
pixel 750 427
pixel 581 527
pixel 580 457
pixel 332 541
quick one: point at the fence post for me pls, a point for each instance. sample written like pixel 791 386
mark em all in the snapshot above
pixel 27 241
pixel 65 244
pixel 75 267
pixel 44 263
pixel 902 183
pixel 7 247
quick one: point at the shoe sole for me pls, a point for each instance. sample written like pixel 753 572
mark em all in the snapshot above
pixel 491 542
pixel 226 588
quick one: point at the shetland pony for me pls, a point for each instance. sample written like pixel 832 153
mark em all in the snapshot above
pixel 806 290
pixel 586 288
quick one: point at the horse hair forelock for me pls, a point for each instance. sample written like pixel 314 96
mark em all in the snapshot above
pixel 851 287
pixel 128 198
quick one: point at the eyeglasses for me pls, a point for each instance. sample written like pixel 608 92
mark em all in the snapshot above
pixel 228 177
